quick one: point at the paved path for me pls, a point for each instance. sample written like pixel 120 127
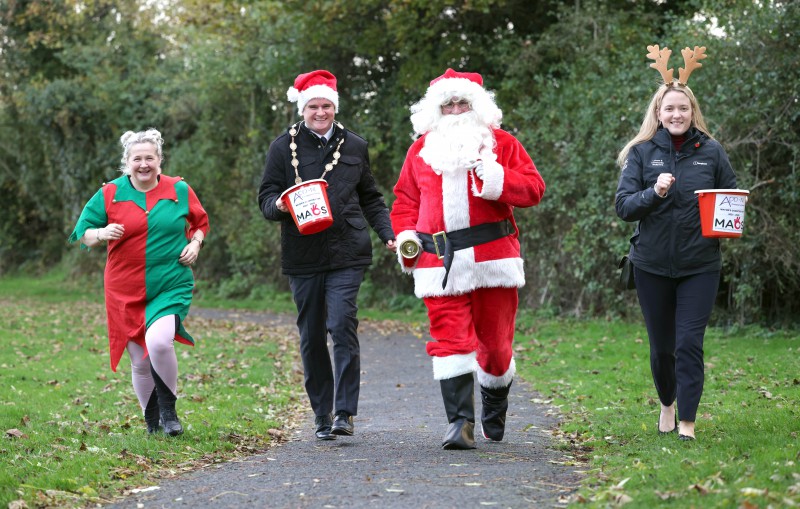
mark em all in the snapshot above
pixel 395 459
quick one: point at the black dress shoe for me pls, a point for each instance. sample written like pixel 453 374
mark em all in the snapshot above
pixel 342 424
pixel 323 424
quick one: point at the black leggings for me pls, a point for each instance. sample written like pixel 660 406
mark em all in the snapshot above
pixel 676 312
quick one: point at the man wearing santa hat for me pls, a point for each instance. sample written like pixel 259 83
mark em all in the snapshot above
pixel 325 269
pixel 453 216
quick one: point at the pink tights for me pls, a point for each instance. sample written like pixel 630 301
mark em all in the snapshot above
pixel 160 339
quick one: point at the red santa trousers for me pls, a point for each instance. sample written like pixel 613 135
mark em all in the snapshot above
pixel 478 325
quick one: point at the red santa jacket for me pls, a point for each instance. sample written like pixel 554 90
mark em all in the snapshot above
pixel 427 202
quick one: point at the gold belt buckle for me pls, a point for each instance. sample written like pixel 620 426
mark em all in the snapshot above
pixel 436 243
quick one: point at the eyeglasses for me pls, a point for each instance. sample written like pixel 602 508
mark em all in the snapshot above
pixel 462 104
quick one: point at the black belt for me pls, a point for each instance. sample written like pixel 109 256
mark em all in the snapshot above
pixel 445 244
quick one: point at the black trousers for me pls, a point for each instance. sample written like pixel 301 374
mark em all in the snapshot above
pixel 676 312
pixel 326 303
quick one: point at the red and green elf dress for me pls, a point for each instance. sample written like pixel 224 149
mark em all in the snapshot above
pixel 143 279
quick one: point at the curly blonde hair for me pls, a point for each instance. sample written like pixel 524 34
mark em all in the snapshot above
pixel 131 138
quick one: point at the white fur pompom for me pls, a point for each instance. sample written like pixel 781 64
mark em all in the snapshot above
pixel 293 94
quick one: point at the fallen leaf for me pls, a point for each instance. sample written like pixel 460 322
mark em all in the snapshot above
pixel 666 495
pixel 145 490
pixel 623 499
pixel 622 483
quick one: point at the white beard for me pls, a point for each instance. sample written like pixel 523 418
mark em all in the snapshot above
pixel 456 142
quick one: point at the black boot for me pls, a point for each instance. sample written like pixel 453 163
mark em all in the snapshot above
pixel 493 413
pixel 152 415
pixel 459 404
pixel 166 405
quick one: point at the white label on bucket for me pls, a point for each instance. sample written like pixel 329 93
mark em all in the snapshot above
pixel 308 203
pixel 729 213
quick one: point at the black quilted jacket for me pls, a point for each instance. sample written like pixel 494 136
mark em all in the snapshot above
pixel 353 195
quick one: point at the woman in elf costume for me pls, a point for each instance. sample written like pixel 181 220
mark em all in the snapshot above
pixel 154 227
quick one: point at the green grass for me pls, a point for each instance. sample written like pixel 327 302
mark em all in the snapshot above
pixel 276 301
pixel 52 287
pixel 747 450
pixel 81 437
pixel 73 429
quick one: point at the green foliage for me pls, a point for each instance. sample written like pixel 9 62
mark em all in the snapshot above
pixel 571 79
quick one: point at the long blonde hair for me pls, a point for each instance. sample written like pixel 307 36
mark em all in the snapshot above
pixel 650 122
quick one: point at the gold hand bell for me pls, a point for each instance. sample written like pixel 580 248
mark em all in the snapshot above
pixel 409 248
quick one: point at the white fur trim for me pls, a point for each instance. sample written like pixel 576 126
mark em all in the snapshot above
pixel 466 275
pixel 454 365
pixel 493 177
pixel 445 89
pixel 402 237
pixel 313 92
pixel 426 113
pixel 496 382
pixel 454 200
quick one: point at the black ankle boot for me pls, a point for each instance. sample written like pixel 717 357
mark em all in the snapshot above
pixel 459 404
pixel 166 406
pixel 152 415
pixel 493 413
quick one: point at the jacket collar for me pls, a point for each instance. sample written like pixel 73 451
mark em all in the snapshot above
pixel 663 139
pixel 337 133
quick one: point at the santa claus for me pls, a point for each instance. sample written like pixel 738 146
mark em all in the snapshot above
pixel 453 217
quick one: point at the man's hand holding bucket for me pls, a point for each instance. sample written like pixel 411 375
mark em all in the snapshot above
pixel 281 206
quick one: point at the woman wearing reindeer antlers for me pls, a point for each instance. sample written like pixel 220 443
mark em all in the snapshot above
pixel 676 269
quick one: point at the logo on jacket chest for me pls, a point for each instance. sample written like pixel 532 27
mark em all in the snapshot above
pixel 657 163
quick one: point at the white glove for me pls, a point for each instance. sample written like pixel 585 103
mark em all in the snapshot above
pixel 478 169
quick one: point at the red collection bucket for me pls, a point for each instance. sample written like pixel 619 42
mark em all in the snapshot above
pixel 308 204
pixel 722 211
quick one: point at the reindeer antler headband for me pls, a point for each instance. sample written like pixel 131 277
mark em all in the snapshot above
pixel 691 59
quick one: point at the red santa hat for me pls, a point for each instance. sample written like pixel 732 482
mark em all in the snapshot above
pixel 455 84
pixel 318 84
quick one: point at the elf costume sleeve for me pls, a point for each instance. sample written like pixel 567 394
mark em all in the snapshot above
pixel 93 216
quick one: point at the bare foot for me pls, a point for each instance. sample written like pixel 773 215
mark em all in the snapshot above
pixel 686 429
pixel 666 421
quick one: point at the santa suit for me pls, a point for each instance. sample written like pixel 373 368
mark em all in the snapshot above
pixel 472 317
